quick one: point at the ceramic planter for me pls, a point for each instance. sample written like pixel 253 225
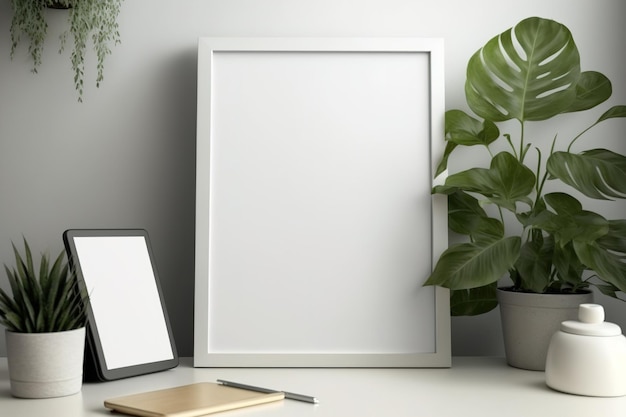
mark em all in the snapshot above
pixel 44 365
pixel 529 320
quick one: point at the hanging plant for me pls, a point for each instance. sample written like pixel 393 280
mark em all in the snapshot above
pixel 87 19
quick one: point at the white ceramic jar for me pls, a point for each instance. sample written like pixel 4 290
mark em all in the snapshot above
pixel 588 356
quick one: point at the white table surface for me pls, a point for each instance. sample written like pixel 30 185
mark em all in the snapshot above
pixel 474 386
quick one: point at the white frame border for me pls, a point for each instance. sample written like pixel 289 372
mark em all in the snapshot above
pixel 206 48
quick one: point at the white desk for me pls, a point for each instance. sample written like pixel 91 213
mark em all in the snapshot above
pixel 475 386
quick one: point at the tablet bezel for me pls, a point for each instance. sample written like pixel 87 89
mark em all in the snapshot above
pixel 95 361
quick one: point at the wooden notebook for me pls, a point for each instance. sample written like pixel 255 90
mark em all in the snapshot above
pixel 189 400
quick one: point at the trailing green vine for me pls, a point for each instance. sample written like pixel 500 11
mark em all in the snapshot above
pixel 92 21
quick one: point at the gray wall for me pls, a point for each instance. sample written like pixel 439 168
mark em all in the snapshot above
pixel 125 157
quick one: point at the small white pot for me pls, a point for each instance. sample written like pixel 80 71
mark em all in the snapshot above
pixel 44 365
pixel 588 356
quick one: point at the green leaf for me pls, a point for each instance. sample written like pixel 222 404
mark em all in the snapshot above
pixel 592 89
pixel 567 265
pixel 471 265
pixel 608 290
pixel 15 283
pixel 608 266
pixel 47 302
pixel 467 217
pixel 534 264
pixel 571 222
pixel 529 218
pixel 30 267
pixel 505 183
pixel 615 111
pixel 43 274
pixel 22 269
pixel 597 173
pixel 473 301
pixel 528 72
pixel 443 164
pixel 615 239
pixel 564 204
pixel 463 129
pixel 59 308
pixel 14 321
pixel 7 307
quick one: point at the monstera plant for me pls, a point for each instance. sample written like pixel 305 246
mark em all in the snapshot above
pixel 546 242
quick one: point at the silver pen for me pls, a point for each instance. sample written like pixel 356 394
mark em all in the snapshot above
pixel 289 395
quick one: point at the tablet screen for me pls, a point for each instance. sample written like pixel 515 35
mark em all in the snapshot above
pixel 129 328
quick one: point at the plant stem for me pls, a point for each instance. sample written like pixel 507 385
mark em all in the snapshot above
pixel 508 139
pixel 579 135
pixel 540 184
pixel 521 142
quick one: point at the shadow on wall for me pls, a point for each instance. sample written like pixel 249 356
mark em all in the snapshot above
pixel 174 220
pixel 477 335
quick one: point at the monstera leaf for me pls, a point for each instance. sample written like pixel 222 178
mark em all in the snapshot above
pixel 473 301
pixel 506 182
pixel 467 217
pixel 609 266
pixel 592 89
pixel 597 173
pixel 528 72
pixel 462 129
pixel 476 264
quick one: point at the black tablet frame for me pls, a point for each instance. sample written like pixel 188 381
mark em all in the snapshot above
pixel 95 361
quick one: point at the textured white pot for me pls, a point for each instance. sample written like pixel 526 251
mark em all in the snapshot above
pixel 529 320
pixel 44 365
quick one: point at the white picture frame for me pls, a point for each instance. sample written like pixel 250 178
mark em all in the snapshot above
pixel 315 223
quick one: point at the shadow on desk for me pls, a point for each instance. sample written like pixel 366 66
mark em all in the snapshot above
pixel 4 376
pixel 540 385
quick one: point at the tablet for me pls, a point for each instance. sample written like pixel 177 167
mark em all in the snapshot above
pixel 128 329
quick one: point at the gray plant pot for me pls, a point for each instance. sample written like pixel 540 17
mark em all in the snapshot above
pixel 529 320
pixel 44 365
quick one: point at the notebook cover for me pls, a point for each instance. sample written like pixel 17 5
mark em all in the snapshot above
pixel 189 400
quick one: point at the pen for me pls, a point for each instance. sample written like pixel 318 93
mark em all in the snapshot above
pixel 289 395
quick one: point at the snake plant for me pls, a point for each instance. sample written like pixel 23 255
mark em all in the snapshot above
pixel 531 73
pixel 44 299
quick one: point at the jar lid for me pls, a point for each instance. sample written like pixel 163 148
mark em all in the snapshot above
pixel 591 323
